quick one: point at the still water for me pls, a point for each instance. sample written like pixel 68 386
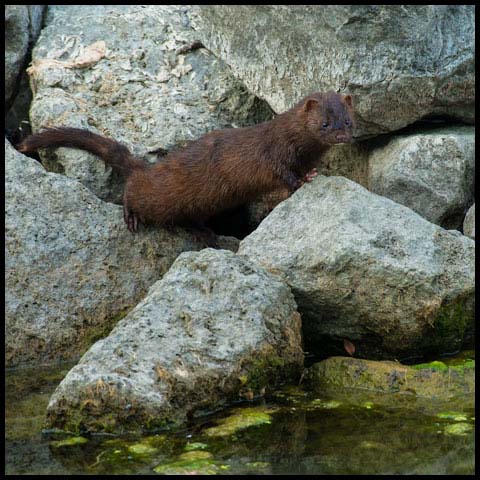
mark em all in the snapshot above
pixel 293 432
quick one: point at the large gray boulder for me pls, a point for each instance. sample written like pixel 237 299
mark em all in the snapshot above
pixel 214 329
pixel 366 269
pixel 431 172
pixel 401 63
pixel 22 27
pixel 119 70
pixel 71 266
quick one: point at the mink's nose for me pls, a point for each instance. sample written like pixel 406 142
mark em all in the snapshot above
pixel 342 137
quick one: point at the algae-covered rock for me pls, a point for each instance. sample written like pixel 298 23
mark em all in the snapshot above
pixel 214 329
pixel 423 380
pixel 369 270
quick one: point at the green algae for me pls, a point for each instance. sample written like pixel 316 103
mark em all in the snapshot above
pixel 195 446
pixel 327 404
pixel 242 418
pixel 301 434
pixel 458 429
pixel 436 365
pixel 456 416
pixel 142 449
pixel 444 366
pixel 196 462
pixel 68 442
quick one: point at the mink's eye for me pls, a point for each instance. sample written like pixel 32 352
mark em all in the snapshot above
pixel 347 121
pixel 325 124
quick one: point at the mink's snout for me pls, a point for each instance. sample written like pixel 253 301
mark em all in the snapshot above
pixel 343 137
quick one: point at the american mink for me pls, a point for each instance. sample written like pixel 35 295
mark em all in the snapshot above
pixel 222 169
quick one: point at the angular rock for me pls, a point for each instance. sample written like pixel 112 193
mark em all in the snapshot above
pixel 72 268
pixel 469 223
pixel 435 380
pixel 123 75
pixel 401 63
pixel 22 27
pixel 214 328
pixel 433 173
pixel 366 269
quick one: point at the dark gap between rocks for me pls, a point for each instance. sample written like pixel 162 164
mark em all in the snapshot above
pixel 233 222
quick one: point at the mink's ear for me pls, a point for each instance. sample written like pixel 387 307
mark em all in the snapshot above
pixel 348 100
pixel 310 104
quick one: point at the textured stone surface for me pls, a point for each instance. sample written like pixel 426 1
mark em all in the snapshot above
pixel 469 222
pixel 400 62
pixel 120 73
pixel 72 267
pixel 431 172
pixel 22 27
pixel 369 270
pixel 215 327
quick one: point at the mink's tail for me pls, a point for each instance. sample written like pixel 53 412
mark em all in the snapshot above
pixel 110 151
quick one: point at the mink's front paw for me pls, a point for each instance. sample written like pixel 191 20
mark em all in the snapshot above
pixel 309 176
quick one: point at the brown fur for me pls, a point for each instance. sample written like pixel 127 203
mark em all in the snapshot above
pixel 222 169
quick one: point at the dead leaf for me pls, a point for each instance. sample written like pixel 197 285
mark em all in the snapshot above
pixel 349 347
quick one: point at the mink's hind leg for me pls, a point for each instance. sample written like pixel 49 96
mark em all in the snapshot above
pixel 130 218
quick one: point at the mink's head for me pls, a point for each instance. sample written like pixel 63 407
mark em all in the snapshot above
pixel 328 117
